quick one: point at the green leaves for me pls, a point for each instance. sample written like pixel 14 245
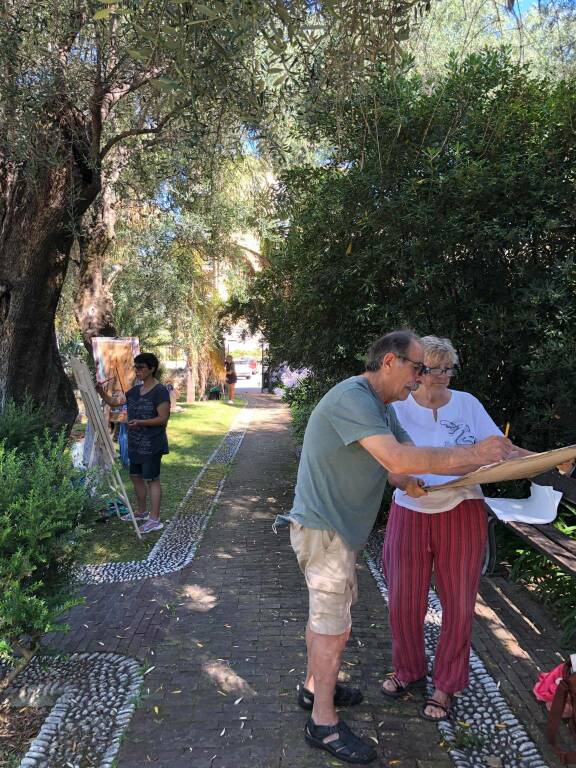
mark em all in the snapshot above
pixel 103 13
pixel 41 499
pixel 461 225
pixel 165 84
pixel 211 13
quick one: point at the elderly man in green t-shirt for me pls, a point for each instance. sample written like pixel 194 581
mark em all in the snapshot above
pixel 352 445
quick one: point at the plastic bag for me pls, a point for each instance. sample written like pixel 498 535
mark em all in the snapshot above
pixel 545 688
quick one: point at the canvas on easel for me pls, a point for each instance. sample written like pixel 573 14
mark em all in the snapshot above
pixel 114 361
pixel 102 440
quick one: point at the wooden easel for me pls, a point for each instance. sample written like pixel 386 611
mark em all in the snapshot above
pixel 102 436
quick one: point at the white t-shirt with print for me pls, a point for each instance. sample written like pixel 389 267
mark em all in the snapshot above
pixel 462 421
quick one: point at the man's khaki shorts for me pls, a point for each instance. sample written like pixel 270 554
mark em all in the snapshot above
pixel 330 571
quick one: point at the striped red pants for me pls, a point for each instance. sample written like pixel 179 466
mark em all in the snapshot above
pixel 453 543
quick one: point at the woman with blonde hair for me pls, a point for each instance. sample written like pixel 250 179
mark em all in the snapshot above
pixel 443 531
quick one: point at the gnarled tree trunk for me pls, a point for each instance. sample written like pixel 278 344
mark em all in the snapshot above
pixel 38 213
pixel 93 300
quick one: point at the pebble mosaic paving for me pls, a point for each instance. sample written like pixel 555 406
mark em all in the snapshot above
pixel 92 697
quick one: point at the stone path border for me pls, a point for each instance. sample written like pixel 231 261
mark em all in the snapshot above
pixel 177 546
pixel 92 695
pixel 483 720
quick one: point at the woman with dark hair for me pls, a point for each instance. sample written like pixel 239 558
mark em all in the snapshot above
pixel 231 377
pixel 148 413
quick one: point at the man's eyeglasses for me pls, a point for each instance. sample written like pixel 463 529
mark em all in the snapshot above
pixel 419 368
pixel 442 371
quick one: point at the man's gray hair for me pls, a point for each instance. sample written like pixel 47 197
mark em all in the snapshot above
pixel 397 342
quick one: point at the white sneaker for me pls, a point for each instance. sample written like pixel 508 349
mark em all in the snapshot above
pixel 230 402
pixel 151 525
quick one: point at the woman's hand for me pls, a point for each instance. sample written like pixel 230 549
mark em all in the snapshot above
pixel 414 487
pixel 134 424
pixel 492 450
pixel 566 467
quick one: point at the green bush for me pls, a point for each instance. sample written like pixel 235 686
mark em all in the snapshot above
pixel 21 423
pixel 448 209
pixel 300 416
pixel 41 500
pixel 302 399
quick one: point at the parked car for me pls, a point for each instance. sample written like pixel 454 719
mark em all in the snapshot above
pixel 244 369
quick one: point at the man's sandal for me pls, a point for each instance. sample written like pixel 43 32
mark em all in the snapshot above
pixel 447 709
pixel 347 746
pixel 344 696
pixel 401 689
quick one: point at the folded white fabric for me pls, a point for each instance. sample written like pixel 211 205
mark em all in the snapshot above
pixel 540 508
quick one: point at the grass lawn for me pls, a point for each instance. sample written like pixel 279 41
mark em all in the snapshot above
pixel 193 435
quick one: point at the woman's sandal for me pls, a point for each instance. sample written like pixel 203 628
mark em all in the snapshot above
pixel 447 709
pixel 344 696
pixel 401 689
pixel 347 746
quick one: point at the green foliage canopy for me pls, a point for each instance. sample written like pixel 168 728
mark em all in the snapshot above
pixel 449 211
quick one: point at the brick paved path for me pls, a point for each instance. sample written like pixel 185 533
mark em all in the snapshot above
pixel 230 627
pixel 223 638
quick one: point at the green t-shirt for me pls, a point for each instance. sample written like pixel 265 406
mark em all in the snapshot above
pixel 340 485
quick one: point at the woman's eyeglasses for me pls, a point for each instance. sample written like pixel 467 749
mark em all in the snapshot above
pixel 442 371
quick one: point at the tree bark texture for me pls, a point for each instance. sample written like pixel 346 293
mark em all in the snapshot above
pixel 191 374
pixel 93 301
pixel 39 211
pixel 204 370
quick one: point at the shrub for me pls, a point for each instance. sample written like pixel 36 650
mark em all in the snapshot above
pixel 300 416
pixel 21 423
pixel 434 218
pixel 41 500
pixel 302 399
pixel 546 581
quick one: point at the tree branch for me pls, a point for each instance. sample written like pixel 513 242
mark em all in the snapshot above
pixel 116 272
pixel 27 656
pixel 78 18
pixel 112 94
pixel 140 131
